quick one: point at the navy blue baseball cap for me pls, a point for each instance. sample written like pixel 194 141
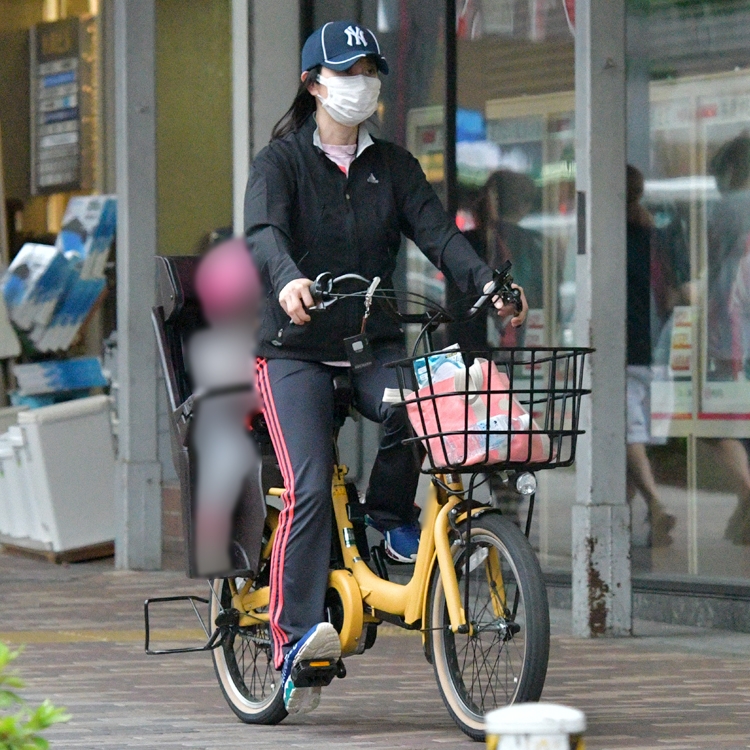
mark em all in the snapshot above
pixel 339 44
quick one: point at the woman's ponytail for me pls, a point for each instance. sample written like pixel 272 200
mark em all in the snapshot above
pixel 302 107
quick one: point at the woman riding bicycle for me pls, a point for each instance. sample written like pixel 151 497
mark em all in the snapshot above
pixel 325 195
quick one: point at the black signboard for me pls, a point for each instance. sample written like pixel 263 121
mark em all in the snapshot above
pixel 55 106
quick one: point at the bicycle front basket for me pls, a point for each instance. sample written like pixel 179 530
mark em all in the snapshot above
pixel 514 408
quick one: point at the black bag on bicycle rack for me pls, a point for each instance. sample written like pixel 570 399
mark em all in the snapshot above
pixel 176 316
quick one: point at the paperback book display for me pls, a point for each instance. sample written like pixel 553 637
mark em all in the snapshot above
pixel 54 376
pixel 47 295
pixel 9 346
pixel 51 291
pixel 88 229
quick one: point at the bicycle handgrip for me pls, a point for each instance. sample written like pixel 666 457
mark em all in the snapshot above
pixel 513 296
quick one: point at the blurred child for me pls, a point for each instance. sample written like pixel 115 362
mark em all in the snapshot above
pixel 222 368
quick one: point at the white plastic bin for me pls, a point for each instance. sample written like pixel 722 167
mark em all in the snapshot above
pixel 535 726
pixel 69 459
pixel 13 517
pixel 5 515
pixel 35 529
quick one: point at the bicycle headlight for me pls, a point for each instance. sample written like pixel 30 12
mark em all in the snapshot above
pixel 526 483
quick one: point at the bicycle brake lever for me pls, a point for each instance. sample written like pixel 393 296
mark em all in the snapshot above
pixel 501 281
pixel 504 287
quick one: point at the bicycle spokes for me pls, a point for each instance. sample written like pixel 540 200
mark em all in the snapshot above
pixel 490 658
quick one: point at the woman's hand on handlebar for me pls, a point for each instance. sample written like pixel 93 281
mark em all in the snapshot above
pixel 509 308
pixel 295 299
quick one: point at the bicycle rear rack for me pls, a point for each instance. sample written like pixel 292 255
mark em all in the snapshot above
pixel 213 639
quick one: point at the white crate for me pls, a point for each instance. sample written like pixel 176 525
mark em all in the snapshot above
pixel 36 529
pixel 69 458
pixel 14 503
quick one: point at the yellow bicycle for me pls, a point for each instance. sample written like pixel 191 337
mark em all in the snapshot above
pixel 476 594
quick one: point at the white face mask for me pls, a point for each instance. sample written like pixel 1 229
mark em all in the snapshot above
pixel 351 99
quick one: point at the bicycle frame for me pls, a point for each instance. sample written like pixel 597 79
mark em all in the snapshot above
pixel 364 594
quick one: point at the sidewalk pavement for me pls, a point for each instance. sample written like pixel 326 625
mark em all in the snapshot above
pixel 670 687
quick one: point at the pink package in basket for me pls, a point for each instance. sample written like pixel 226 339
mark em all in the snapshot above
pixel 480 427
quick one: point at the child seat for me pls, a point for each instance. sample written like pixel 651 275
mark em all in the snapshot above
pixel 176 316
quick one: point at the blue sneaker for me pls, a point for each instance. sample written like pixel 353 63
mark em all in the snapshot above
pixel 320 642
pixel 401 543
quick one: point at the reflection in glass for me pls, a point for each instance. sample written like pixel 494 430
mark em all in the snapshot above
pixel 516 194
pixel 688 122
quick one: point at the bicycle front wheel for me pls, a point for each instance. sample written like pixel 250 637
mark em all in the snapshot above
pixel 244 666
pixel 503 659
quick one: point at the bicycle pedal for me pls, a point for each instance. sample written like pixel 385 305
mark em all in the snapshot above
pixel 316 672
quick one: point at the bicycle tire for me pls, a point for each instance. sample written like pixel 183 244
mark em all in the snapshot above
pixel 243 664
pixel 470 689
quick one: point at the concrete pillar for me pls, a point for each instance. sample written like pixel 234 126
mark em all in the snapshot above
pixel 638 93
pixel 241 136
pixel 108 171
pixel 138 498
pixel 275 64
pixel 601 516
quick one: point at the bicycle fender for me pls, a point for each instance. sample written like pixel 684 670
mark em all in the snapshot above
pixel 480 511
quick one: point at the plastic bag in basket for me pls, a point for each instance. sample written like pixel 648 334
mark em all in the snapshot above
pixel 480 429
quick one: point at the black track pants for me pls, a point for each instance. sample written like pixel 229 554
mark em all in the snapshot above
pixel 298 405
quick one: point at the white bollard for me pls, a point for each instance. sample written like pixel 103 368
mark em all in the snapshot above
pixel 535 726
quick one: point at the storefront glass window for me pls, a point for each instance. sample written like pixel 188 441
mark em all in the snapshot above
pixel 689 138
pixel 688 93
pixel 516 178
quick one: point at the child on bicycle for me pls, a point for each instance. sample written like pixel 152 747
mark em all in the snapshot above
pixel 222 370
pixel 325 195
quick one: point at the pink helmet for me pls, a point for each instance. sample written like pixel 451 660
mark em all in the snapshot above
pixel 227 281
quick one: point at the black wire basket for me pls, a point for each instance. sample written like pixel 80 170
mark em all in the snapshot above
pixel 499 409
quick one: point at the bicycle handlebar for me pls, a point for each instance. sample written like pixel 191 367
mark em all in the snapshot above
pixel 322 292
pixel 502 286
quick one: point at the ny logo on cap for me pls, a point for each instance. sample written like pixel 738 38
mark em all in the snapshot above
pixel 355 35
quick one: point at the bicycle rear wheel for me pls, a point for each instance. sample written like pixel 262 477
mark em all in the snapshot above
pixel 503 659
pixel 244 666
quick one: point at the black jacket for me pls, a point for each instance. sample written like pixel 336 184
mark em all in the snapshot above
pixel 303 216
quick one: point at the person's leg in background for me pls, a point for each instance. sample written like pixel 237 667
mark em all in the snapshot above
pixel 732 455
pixel 395 474
pixel 640 477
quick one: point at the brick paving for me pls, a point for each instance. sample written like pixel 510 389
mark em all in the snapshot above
pixel 677 688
